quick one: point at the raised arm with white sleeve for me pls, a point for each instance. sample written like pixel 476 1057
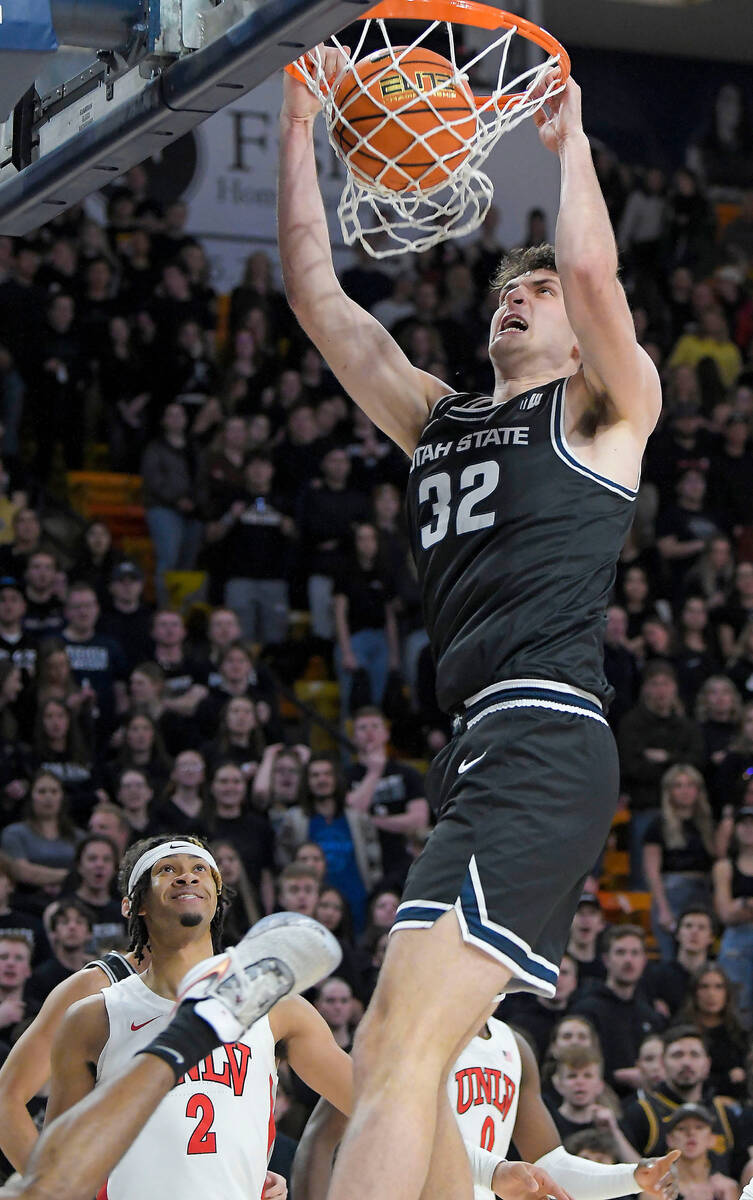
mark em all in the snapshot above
pixel 365 358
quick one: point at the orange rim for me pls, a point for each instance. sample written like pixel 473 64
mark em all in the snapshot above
pixel 465 12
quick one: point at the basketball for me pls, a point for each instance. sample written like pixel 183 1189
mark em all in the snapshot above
pixel 383 107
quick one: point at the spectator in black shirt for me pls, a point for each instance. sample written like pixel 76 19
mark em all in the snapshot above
pixel 683 529
pixel 15 643
pixel 15 555
pixel 686 1071
pixel 15 972
pixel 617 1007
pixel 185 677
pixel 239 739
pixel 182 807
pixel 731 474
pixel 690 1129
pixel 22 308
pixel 718 711
pixel 583 945
pixel 57 388
pixel 134 794
pixel 678 851
pixel 95 872
pixel 256 534
pixel 389 792
pixel 697 654
pixel 127 620
pixel 44 609
pixel 95 660
pixel 328 509
pixel 620 665
pixel 738 612
pixel 230 817
pixel 711 1007
pixel 579 1080
pixel 142 749
pixel 652 737
pixel 239 676
pixel 97 559
pixel 15 920
pixel 733 901
pixel 170 473
pixel 667 983
pixel 70 937
pixel 682 445
pixel 60 748
pixel 367 637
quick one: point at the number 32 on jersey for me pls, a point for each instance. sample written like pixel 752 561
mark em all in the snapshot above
pixel 477 482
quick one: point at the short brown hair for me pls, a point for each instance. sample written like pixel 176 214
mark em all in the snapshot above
pixel 575 1057
pixel 298 870
pixel 522 261
pixel 617 932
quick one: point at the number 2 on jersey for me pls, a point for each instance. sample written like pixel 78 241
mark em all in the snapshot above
pixel 203 1140
pixel 438 489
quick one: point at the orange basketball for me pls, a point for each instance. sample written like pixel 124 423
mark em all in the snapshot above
pixel 409 92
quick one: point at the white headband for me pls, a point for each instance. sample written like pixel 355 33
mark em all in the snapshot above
pixel 166 850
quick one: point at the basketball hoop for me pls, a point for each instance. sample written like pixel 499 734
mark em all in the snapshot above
pixel 409 215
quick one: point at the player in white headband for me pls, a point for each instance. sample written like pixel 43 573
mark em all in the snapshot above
pixel 212 1133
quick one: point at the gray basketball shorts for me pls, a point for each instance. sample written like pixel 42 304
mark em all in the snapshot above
pixel 524 794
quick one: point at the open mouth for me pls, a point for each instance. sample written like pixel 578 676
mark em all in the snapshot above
pixel 513 324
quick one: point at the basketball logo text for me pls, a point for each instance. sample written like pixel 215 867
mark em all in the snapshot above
pixel 484 1085
pixel 426 81
pixel 232 1073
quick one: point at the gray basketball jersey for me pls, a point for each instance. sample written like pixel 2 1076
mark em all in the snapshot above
pixel 516 543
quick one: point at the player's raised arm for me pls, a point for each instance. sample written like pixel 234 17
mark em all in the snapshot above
pixel 617 370
pixel 365 358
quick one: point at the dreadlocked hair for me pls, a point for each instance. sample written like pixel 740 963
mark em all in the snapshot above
pixel 524 260
pixel 138 934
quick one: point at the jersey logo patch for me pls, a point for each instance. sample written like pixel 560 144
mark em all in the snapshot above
pixel 466 764
pixel 531 401
pixel 134 1026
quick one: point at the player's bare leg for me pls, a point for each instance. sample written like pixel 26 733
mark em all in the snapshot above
pixel 433 991
pixel 76 1152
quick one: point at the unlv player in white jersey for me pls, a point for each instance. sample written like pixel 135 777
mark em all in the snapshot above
pixel 495 1093
pixel 214 1130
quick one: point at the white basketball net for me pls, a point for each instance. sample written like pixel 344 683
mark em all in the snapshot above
pixel 386 221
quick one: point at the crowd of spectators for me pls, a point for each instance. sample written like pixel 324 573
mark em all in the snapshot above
pixel 121 717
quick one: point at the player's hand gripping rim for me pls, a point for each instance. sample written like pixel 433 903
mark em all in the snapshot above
pixel 299 103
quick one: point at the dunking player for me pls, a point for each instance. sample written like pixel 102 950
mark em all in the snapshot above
pixel 215 1131
pixel 519 503
pixel 218 1000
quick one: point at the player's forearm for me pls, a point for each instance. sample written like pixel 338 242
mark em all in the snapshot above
pixel 77 1151
pixel 19 1133
pixel 584 240
pixel 305 253
pixel 589 1180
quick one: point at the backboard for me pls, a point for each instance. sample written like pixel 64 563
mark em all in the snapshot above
pixel 154 69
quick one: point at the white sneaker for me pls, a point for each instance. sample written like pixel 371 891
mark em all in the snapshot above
pixel 283 953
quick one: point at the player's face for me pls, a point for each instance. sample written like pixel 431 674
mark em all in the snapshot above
pixel 183 891
pixel 530 325
pixel 581 1086
pixel 686 1063
pixel 692 1137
